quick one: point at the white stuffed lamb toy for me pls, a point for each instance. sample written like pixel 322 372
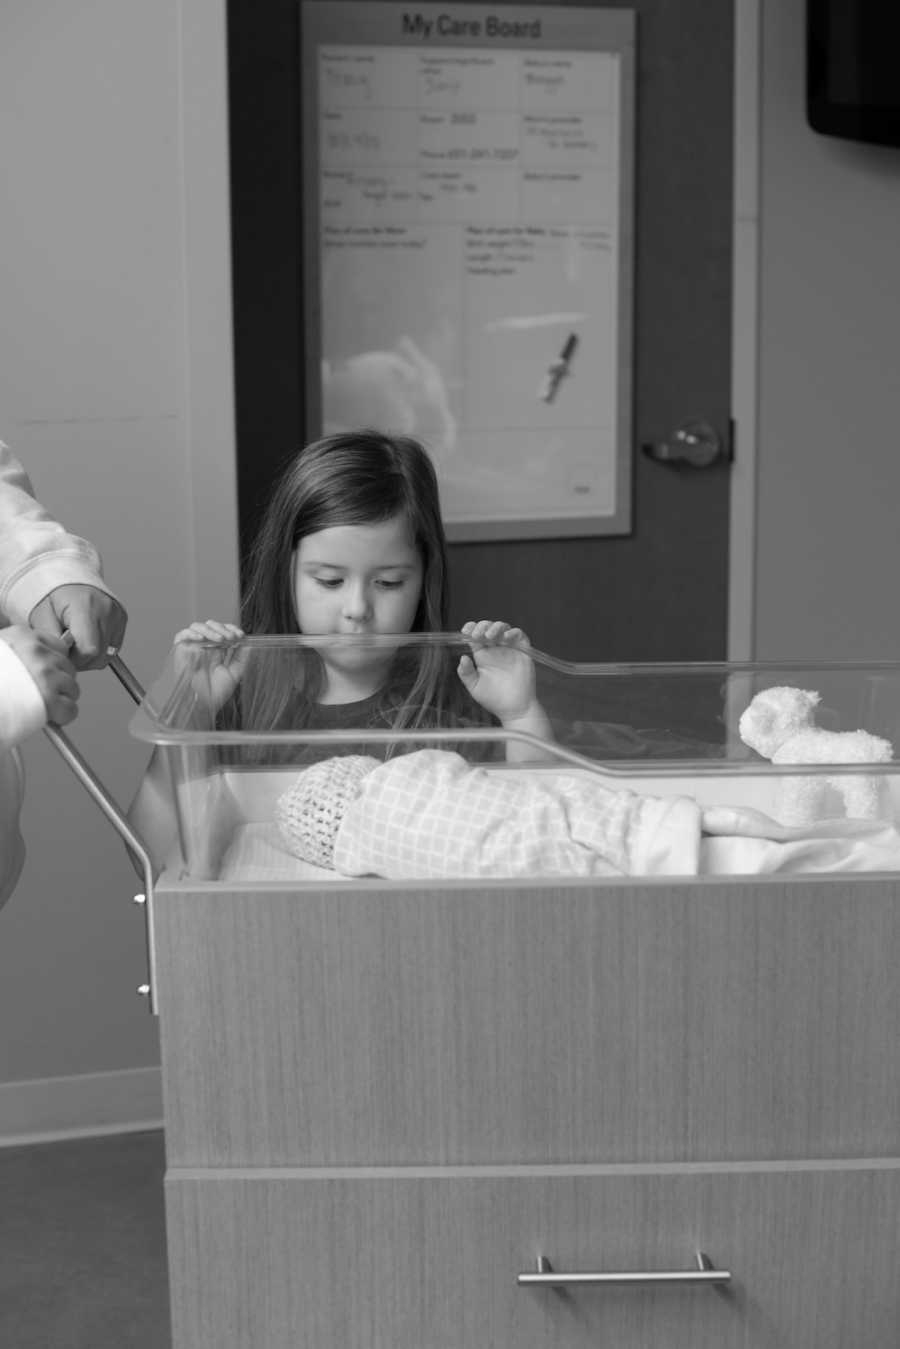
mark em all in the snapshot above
pixel 779 725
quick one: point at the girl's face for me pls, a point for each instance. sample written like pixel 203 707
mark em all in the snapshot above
pixel 357 580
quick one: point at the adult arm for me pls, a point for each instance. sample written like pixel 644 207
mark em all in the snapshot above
pixel 22 708
pixel 49 578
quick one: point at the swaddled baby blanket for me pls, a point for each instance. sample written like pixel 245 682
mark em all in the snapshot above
pixel 430 815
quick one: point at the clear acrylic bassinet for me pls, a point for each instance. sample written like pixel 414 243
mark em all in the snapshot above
pixel 663 730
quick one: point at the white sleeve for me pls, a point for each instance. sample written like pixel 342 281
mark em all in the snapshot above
pixel 36 553
pixel 22 708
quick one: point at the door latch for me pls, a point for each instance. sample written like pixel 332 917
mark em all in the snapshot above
pixel 696 444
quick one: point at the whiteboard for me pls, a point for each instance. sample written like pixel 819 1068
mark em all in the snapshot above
pixel 468 269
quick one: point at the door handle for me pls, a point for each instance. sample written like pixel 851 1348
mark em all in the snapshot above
pixel 697 444
pixel 545 1276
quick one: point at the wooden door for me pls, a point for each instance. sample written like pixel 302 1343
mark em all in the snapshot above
pixel 661 592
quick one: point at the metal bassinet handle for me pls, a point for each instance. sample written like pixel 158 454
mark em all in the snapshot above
pixel 125 677
pixel 96 790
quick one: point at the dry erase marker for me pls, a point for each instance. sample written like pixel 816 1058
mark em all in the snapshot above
pixel 558 369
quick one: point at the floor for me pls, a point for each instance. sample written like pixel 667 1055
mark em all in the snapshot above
pixel 82 1245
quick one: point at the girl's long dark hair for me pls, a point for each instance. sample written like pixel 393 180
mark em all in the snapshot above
pixel 356 478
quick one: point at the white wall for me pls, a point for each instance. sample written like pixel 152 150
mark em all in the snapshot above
pixel 115 391
pixel 828 455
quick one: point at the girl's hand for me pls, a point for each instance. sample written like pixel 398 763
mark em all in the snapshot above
pixel 499 674
pixel 216 674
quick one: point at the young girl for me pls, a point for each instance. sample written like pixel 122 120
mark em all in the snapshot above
pixel 352 545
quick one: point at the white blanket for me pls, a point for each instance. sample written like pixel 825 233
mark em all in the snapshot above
pixel 740 841
pixel 431 814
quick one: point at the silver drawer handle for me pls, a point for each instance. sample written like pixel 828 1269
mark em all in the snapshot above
pixel 545 1276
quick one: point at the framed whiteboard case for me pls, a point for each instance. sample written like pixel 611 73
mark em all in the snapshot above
pixel 468 251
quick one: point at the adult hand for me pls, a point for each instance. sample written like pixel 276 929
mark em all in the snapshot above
pixel 95 620
pixel 499 673
pixel 46 660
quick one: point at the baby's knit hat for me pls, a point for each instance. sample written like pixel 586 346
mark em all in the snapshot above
pixel 309 814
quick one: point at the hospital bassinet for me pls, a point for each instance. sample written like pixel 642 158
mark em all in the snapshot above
pixel 525 1111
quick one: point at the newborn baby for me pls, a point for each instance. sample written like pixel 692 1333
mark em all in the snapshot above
pixel 431 814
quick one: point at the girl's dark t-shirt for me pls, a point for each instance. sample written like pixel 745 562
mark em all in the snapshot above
pixel 372 714
pixel 378 712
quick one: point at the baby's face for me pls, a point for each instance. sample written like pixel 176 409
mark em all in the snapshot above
pixel 357 580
